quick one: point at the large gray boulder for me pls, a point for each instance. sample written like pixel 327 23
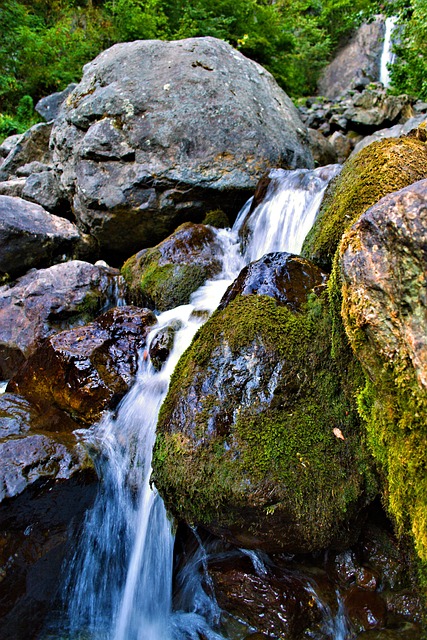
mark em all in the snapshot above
pixel 32 237
pixel 158 133
pixel 357 63
pixel 46 301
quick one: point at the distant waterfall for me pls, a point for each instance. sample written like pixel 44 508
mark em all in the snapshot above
pixel 119 585
pixel 387 55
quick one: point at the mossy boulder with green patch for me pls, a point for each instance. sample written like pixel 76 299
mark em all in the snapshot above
pixel 382 264
pixel 166 275
pixel 257 440
pixel 381 168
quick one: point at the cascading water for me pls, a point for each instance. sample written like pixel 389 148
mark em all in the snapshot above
pixel 119 585
pixel 387 55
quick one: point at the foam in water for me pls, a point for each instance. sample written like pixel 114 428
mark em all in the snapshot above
pixel 119 585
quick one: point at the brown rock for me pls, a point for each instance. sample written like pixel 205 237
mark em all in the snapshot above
pixel 322 149
pixel 86 370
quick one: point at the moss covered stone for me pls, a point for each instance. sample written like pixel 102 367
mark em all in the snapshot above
pixel 217 218
pixel 256 439
pixel 381 265
pixel 379 169
pixel 165 276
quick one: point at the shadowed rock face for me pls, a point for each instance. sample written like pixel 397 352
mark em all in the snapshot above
pixel 158 133
pixel 32 237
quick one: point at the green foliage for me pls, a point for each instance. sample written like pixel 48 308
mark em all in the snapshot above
pixel 409 73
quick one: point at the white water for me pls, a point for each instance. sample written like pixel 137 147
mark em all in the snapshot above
pixel 387 56
pixel 120 582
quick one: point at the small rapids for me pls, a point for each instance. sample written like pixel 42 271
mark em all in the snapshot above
pixel 118 584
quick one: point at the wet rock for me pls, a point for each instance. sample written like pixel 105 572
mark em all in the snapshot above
pixel 321 148
pixel 32 237
pixel 165 276
pixel 359 186
pixel 35 528
pixel 138 159
pixel 357 63
pixel 46 301
pixel 249 437
pixel 162 344
pixel 273 602
pixel 366 610
pixel 287 278
pixel 49 106
pixel 32 146
pixel 86 370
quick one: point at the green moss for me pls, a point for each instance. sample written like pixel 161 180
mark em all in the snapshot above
pixel 217 218
pixel 284 456
pixel 379 169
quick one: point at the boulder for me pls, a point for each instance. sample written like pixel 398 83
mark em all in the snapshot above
pixel 33 145
pixel 165 276
pixel 194 133
pixel 49 106
pixel 377 170
pixel 341 145
pixel 384 308
pixel 322 150
pixel 391 132
pixel 357 63
pixel 374 109
pixel 49 300
pixel 32 237
pixel 32 167
pixel 256 440
pixel 287 278
pixel 43 189
pixel 12 188
pixel 9 143
pixel 86 370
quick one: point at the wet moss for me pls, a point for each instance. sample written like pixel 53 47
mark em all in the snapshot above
pixel 381 168
pixel 217 218
pixel 280 459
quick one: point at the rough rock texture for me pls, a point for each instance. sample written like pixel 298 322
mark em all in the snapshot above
pixel 165 276
pixel 43 189
pixel 372 109
pixel 322 150
pixel 377 170
pixel 32 237
pixel 256 439
pixel 341 145
pixel 357 64
pixel 8 144
pixel 384 308
pixel 49 106
pixel 392 132
pixel 12 188
pixel 32 145
pixel 195 132
pixel 282 276
pixel 88 369
pixel 50 300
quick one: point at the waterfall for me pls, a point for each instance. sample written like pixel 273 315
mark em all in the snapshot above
pixel 387 55
pixel 119 584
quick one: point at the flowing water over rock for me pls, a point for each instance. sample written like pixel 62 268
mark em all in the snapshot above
pixel 387 55
pixel 119 585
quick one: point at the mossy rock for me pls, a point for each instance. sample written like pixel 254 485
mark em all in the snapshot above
pixel 165 276
pixel 381 272
pixel 217 218
pixel 379 169
pixel 257 440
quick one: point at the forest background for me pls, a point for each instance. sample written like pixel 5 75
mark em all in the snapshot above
pixel 45 43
